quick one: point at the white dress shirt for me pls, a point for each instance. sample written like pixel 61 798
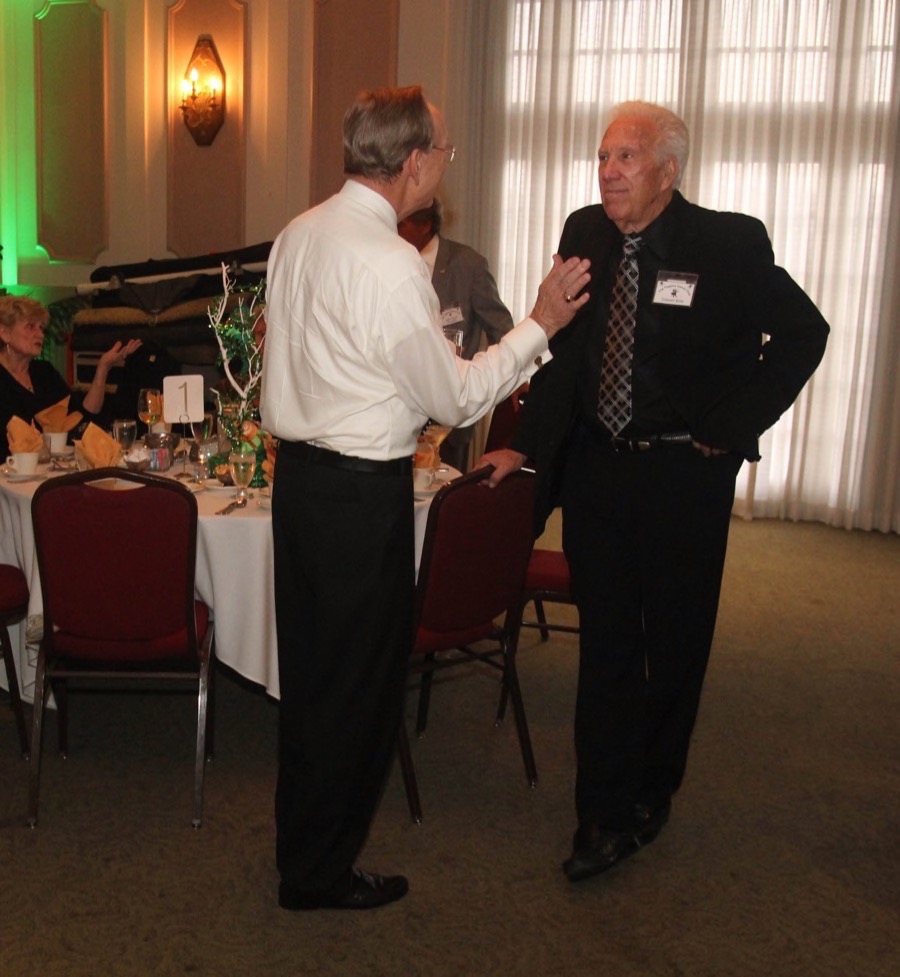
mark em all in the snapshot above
pixel 355 359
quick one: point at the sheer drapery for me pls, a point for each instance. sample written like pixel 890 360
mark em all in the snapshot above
pixel 793 111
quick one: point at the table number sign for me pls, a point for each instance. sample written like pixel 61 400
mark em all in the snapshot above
pixel 183 399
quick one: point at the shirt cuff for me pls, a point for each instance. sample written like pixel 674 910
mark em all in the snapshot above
pixel 530 345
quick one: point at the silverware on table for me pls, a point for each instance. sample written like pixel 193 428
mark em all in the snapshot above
pixel 235 504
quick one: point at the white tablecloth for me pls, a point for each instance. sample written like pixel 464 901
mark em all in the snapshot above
pixel 234 576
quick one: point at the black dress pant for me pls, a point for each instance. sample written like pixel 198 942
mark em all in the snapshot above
pixel 344 587
pixel 645 535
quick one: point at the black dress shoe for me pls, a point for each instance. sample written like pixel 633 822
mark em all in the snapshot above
pixel 649 820
pixel 597 850
pixel 365 891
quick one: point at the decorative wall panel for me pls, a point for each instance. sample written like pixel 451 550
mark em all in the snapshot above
pixel 206 195
pixel 70 64
pixel 369 31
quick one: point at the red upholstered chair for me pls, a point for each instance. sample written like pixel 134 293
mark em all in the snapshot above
pixel 474 556
pixel 116 552
pixel 547 580
pixel 504 420
pixel 13 607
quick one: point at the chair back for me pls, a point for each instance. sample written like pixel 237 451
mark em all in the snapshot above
pixel 116 553
pixel 475 552
pixel 505 420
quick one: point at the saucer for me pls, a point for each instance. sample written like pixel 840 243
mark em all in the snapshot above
pixel 21 477
pixel 214 485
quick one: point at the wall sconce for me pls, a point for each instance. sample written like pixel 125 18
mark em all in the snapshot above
pixel 203 92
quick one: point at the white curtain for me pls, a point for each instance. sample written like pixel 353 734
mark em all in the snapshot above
pixel 793 111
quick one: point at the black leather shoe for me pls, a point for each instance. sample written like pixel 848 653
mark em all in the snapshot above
pixel 597 850
pixel 649 820
pixel 365 891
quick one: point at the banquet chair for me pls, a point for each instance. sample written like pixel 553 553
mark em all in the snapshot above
pixel 13 608
pixel 474 556
pixel 547 580
pixel 504 420
pixel 116 552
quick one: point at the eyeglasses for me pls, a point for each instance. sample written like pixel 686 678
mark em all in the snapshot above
pixel 449 150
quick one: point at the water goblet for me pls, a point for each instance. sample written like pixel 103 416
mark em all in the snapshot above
pixel 242 465
pixel 124 430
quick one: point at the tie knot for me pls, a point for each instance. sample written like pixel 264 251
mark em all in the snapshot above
pixel 632 245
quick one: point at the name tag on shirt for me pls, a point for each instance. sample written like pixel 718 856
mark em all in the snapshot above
pixel 675 288
pixel 451 316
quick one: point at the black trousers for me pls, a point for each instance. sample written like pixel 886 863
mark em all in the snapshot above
pixel 645 536
pixel 344 587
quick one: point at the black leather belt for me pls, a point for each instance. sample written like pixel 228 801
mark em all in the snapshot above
pixel 314 455
pixel 647 441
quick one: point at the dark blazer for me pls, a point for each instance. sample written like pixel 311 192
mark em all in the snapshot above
pixel 461 277
pixel 725 378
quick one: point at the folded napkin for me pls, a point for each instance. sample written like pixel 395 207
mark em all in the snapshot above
pixel 99 449
pixel 57 418
pixel 22 436
pixel 426 455
pixel 268 466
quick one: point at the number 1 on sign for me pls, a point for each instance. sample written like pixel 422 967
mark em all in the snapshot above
pixel 182 399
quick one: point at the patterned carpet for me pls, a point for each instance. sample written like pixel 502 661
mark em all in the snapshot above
pixel 781 856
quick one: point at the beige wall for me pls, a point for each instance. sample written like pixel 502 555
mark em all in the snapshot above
pixel 304 60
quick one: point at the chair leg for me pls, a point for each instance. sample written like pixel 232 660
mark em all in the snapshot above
pixel 37 718
pixel 542 619
pixel 404 755
pixel 424 697
pixel 200 755
pixel 511 683
pixel 211 708
pixel 61 695
pixel 15 700
pixel 522 730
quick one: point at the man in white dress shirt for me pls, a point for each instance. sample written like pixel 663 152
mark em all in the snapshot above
pixel 355 363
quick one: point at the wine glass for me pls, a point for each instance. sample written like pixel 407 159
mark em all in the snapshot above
pixel 200 451
pixel 124 431
pixel 149 406
pixel 455 337
pixel 242 465
pixel 203 430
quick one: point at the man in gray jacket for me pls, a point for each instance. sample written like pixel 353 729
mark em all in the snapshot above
pixel 469 301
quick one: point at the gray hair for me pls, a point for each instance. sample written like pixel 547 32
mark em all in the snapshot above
pixel 382 128
pixel 672 139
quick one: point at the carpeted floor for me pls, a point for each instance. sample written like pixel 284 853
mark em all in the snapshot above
pixel 781 856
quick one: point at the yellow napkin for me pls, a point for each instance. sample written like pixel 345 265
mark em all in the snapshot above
pixel 57 417
pixel 22 436
pixel 99 449
pixel 268 466
pixel 426 455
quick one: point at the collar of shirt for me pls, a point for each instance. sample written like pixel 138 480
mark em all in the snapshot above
pixel 657 236
pixel 367 197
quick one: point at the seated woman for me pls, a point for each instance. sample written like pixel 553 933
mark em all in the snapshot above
pixel 28 385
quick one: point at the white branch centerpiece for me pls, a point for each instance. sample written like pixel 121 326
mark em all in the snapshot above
pixel 238 329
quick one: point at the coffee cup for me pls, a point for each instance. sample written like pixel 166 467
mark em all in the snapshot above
pixel 423 478
pixel 55 442
pixel 23 462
